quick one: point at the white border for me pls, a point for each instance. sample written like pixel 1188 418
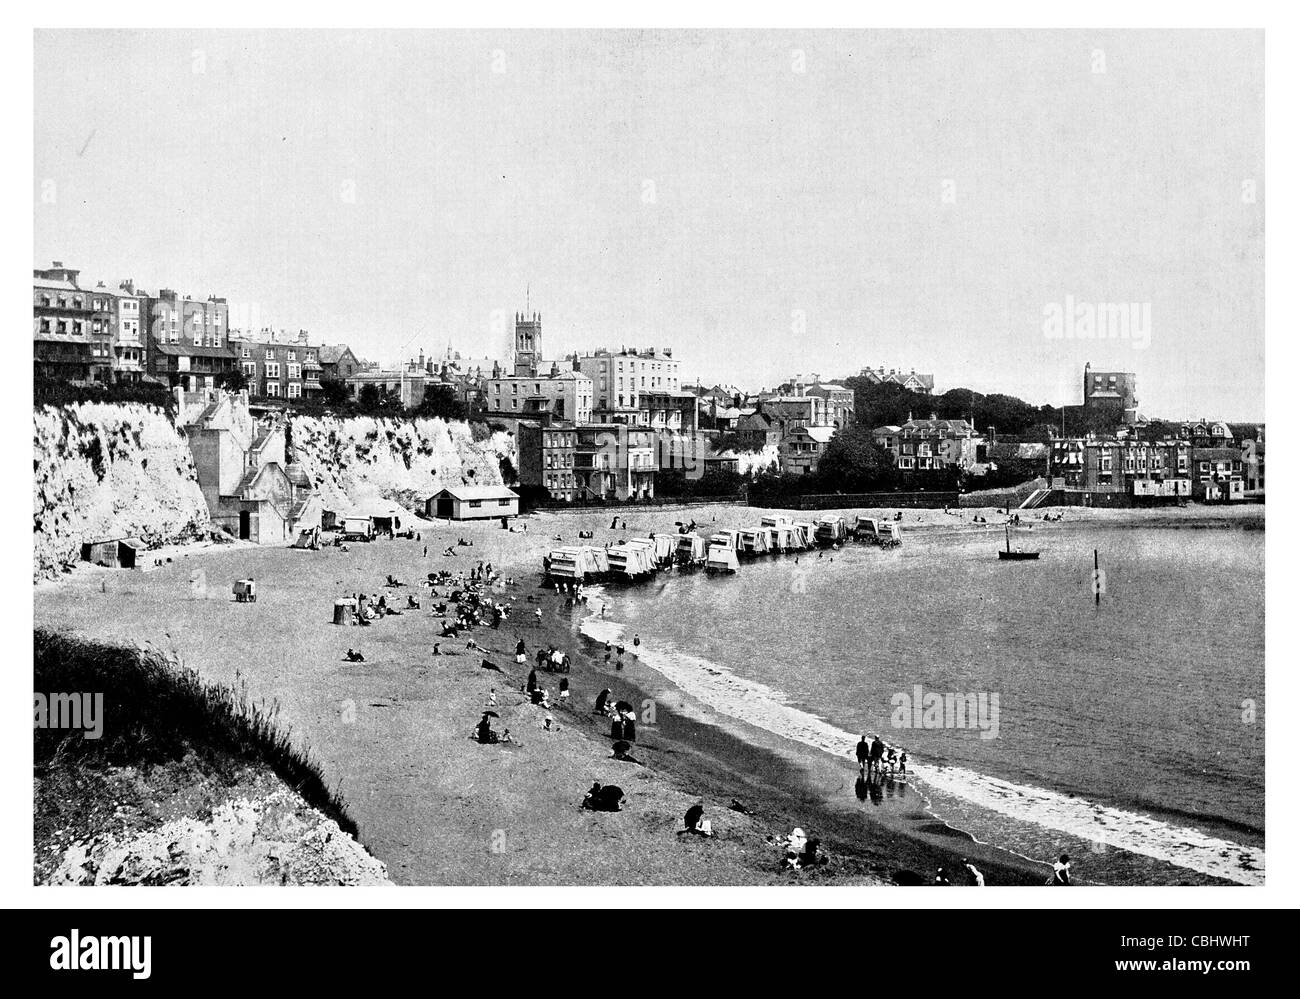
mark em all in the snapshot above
pixel 1282 57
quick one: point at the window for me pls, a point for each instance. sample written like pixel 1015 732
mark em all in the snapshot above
pixel 294 390
pixel 503 502
pixel 246 353
pixel 293 355
pixel 273 388
pixel 475 504
pixel 45 301
pixel 270 354
pixel 273 370
pixel 294 370
pixel 250 369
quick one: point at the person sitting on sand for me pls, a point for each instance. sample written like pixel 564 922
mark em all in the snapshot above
pixel 437 648
pixel 696 822
pixel 355 657
pixel 483 731
pixel 1060 871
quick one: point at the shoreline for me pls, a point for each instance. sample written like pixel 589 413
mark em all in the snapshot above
pixel 532 792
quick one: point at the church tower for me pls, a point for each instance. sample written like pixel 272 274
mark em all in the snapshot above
pixel 528 344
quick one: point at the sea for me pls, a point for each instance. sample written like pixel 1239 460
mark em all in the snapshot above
pixel 1129 727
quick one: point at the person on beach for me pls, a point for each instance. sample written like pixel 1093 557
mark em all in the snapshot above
pixel 636 641
pixel 602 699
pixel 437 648
pixel 532 681
pixel 976 878
pixel 864 756
pixel 491 698
pixel 564 688
pixel 902 763
pixel 1061 871
pixel 538 613
pixel 877 754
pixel 520 651
pixel 696 822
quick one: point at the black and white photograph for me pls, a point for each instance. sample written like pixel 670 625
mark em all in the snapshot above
pixel 552 458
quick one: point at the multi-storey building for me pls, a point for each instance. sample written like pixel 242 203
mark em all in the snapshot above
pixel 1120 470
pixel 615 461
pixel 130 345
pixel 802 448
pixel 623 381
pixel 546 458
pixel 279 365
pixel 929 445
pixel 61 325
pixel 923 384
pixel 337 362
pixel 789 412
pixel 187 340
pixel 839 403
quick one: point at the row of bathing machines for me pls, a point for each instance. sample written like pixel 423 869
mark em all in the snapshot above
pixel 720 552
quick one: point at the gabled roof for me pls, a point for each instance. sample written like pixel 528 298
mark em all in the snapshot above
pixel 478 492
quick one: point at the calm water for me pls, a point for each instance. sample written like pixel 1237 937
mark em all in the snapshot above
pixel 1120 725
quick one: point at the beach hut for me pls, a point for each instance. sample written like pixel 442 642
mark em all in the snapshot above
pixel 728 539
pixel 630 561
pixel 345 611
pixel 804 532
pixel 691 550
pixel 753 543
pixel 472 503
pixel 245 591
pixel 721 559
pixel 865 529
pixel 830 530
pixel 662 547
pixel 120 553
pixel 358 528
pixel 576 563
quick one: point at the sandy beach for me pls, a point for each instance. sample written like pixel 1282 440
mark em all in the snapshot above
pixel 392 732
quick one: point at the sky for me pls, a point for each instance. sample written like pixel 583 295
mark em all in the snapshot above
pixel 765 203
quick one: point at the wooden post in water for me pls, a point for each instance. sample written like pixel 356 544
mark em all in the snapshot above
pixel 1096 578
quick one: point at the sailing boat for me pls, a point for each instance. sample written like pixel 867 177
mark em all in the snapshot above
pixel 1017 555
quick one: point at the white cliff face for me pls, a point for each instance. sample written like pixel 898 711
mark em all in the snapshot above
pixel 755 461
pixel 106 471
pixel 361 458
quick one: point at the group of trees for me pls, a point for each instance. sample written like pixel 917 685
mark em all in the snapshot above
pixel 882 405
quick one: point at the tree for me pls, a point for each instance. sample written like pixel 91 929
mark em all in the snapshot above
pixel 334 392
pixel 234 380
pixel 440 402
pixel 854 462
